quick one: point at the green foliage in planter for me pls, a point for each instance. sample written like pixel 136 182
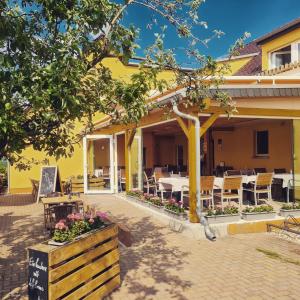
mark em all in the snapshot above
pixel 228 210
pixel 155 200
pixel 292 206
pixel 136 194
pixel 174 206
pixel 258 209
pixel 77 224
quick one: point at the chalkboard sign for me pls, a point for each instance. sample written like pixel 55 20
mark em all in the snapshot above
pixel 49 182
pixel 37 275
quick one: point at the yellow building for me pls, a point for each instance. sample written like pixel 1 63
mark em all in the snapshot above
pixel 264 133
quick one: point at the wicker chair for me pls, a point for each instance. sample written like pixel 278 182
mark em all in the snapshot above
pixel 231 190
pixel 262 185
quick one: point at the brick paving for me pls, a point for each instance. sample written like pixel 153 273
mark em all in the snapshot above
pixel 162 264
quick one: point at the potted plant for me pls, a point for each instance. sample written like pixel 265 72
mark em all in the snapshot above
pixel 135 195
pixel 67 230
pixel 154 202
pixel 258 213
pixel 175 209
pixel 229 214
pixel 290 210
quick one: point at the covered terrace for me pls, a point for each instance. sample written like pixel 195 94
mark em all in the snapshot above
pixel 261 137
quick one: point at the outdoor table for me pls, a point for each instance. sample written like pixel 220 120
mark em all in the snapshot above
pixel 286 177
pixel 52 201
pixel 176 182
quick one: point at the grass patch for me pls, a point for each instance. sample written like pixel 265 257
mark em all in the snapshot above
pixel 275 255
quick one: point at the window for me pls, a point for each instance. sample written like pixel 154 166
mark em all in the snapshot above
pixel 281 57
pixel 262 143
pixel 179 155
pixel 285 55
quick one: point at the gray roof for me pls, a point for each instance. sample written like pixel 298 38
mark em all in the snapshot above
pixel 260 92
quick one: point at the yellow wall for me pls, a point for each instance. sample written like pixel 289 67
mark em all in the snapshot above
pixel 296 126
pixel 19 181
pixel 236 64
pixel 237 148
pixel 278 43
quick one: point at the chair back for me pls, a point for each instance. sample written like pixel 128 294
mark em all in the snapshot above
pixel 145 177
pixel 232 183
pixel 248 172
pixel 35 188
pixel 280 171
pixel 260 170
pixel 158 175
pixel 232 173
pixel 62 211
pixel 207 183
pixel 264 179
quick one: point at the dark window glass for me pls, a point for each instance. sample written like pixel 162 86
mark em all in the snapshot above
pixel 262 142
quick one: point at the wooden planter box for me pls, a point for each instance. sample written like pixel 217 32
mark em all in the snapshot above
pixel 258 216
pixel 179 216
pixel 87 268
pixel 223 219
pixel 290 212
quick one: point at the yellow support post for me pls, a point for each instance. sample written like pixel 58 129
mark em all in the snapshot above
pixel 129 136
pixel 208 123
pixel 192 164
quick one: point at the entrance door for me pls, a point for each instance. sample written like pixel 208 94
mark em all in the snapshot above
pixel 136 161
pixel 98 164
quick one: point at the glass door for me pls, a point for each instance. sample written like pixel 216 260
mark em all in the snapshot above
pixel 98 164
pixel 136 161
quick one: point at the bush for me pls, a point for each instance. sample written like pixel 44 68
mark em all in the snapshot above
pixel 136 193
pixel 291 206
pixel 77 224
pixel 174 206
pixel 155 200
pixel 258 209
pixel 228 210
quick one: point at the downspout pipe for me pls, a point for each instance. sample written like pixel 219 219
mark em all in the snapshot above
pixel 208 232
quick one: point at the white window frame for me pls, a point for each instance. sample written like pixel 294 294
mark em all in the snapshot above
pixel 85 164
pixel 295 55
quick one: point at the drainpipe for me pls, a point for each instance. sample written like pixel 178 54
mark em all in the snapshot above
pixel 208 232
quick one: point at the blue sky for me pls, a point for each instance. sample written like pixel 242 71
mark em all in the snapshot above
pixel 234 17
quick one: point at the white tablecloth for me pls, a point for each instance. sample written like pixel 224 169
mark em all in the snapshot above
pixel 178 182
pixel 175 182
pixel 285 177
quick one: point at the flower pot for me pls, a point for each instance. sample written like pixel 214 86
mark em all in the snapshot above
pixel 253 216
pixel 179 216
pixel 156 207
pixel 222 219
pixel 290 212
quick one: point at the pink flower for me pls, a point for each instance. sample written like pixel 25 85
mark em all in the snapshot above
pixel 78 217
pixel 91 220
pixel 71 217
pixel 101 215
pixel 61 226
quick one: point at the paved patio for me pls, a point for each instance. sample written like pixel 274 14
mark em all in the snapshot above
pixel 163 264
